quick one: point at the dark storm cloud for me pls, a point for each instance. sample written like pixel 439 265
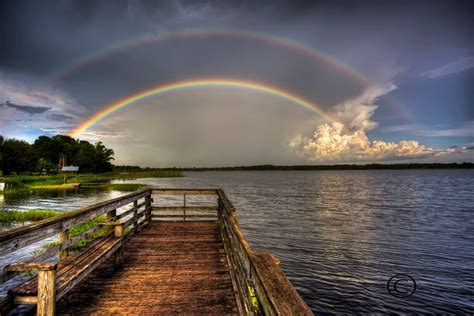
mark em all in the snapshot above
pixel 32 110
pixel 61 117
pixel 39 36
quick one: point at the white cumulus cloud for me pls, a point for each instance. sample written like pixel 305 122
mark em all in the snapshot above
pixel 346 140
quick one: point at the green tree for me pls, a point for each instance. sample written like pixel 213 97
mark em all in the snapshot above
pixel 46 148
pixel 66 145
pixel 104 157
pixel 46 166
pixel 17 156
pixel 85 157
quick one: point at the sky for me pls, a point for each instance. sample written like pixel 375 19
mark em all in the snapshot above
pixel 281 82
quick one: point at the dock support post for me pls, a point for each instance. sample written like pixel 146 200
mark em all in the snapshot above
pixel 119 233
pixel 46 292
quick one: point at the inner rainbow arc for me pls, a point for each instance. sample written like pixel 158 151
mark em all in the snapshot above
pixel 107 110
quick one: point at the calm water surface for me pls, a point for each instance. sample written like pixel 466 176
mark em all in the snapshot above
pixel 341 235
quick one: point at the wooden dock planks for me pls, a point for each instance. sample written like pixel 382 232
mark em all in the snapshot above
pixel 170 268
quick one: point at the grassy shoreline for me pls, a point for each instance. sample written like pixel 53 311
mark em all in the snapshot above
pixel 26 216
pixel 101 180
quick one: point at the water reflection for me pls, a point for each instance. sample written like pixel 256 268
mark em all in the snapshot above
pixel 59 200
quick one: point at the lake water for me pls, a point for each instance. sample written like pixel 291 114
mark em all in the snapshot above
pixel 341 235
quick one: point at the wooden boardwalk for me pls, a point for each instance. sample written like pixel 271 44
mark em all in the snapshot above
pixel 169 267
pixel 143 256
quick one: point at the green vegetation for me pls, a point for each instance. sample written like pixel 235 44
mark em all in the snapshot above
pixel 77 230
pixel 26 216
pixel 32 182
pixel 44 155
pixel 85 226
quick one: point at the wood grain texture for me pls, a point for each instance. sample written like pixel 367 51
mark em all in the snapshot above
pixel 70 269
pixel 273 288
pixel 46 293
pixel 169 268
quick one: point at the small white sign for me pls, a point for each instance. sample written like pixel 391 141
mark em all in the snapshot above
pixel 2 186
pixel 70 168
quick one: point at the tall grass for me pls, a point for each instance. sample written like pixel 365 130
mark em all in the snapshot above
pixel 77 230
pixel 85 226
pixel 26 216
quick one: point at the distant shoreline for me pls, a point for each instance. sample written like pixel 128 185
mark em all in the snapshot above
pixel 374 166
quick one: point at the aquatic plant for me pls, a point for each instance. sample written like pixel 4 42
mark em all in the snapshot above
pixel 26 216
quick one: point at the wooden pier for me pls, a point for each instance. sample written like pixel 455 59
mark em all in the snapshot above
pixel 147 257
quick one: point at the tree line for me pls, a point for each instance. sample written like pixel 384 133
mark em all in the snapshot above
pixel 372 166
pixel 43 156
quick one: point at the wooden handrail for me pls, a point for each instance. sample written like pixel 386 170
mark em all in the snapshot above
pixel 190 212
pixel 23 236
pixel 184 191
pixel 257 277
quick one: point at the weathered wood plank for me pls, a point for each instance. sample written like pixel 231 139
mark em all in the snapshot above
pixel 166 278
pixel 130 211
pixel 17 238
pixel 282 296
pixel 156 216
pixel 26 266
pixel 63 239
pixel 99 257
pixel 184 191
pixel 46 301
pixel 25 300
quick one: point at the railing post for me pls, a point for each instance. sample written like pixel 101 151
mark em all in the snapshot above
pixel 184 204
pixel 119 233
pixel 46 305
pixel 63 238
pixel 111 217
pixel 148 207
pixel 135 216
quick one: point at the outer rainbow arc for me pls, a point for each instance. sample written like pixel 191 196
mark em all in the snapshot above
pixel 244 34
pixel 196 84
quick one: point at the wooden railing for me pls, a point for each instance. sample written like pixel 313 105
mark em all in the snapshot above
pixel 16 239
pixel 260 285
pixel 185 211
pixel 257 278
